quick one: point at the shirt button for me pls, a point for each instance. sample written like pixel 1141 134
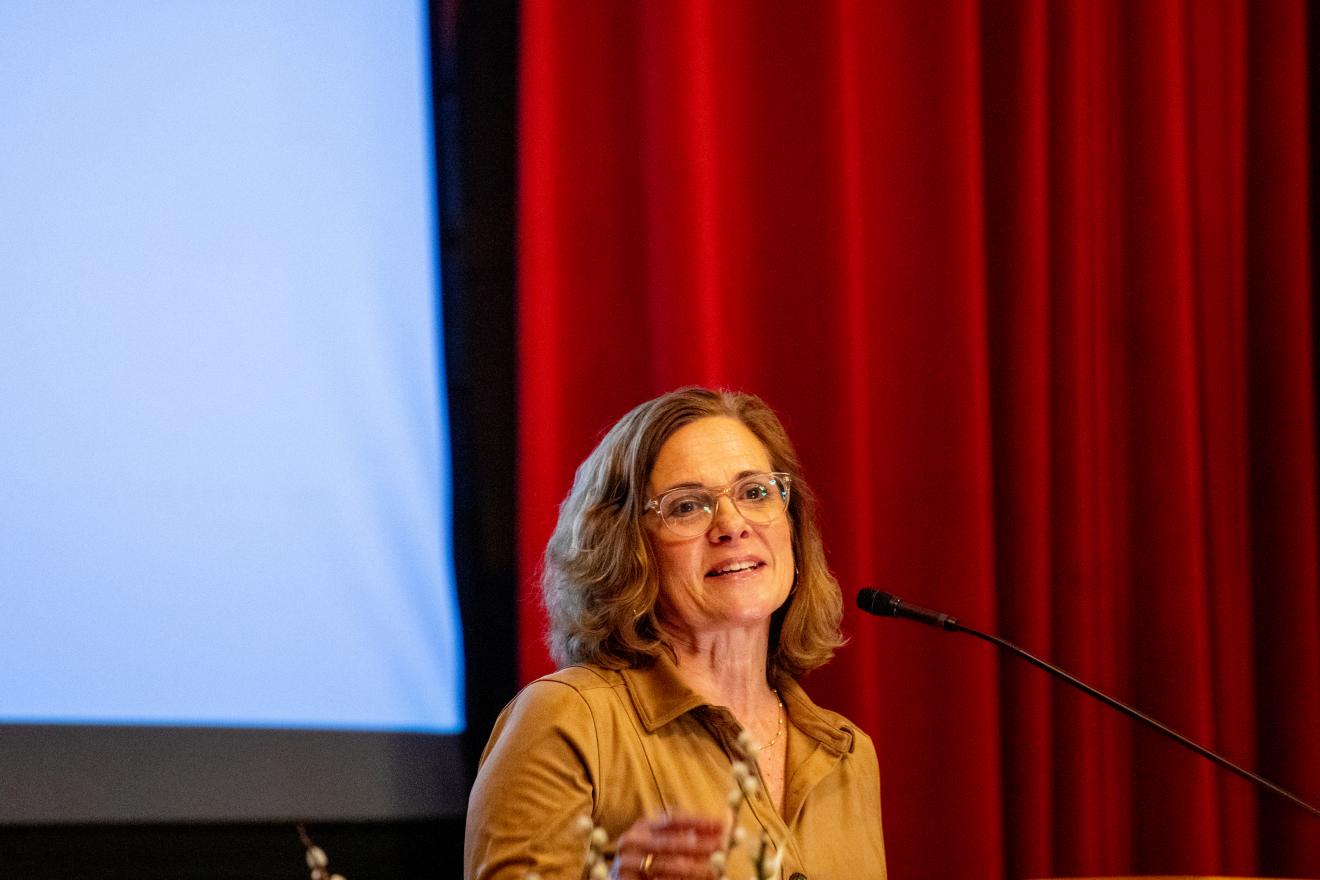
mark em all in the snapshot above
pixel 798 875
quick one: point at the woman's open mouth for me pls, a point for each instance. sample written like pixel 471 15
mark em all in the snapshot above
pixel 738 567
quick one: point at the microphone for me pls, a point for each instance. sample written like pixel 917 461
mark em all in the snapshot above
pixel 889 605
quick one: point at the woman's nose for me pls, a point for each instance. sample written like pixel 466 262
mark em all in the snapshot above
pixel 727 521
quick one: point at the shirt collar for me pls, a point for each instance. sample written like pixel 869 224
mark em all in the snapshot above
pixel 661 695
pixel 659 692
pixel 828 728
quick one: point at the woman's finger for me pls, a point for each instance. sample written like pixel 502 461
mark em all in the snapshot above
pixel 671 847
pixel 670 866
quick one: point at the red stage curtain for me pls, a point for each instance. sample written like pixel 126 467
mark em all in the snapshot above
pixel 1029 283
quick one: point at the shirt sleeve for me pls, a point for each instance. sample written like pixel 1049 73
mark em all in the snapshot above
pixel 536 779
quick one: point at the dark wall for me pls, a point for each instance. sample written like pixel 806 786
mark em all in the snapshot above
pixel 476 101
pixel 366 851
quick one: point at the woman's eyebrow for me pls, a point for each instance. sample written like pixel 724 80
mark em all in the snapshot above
pixel 692 484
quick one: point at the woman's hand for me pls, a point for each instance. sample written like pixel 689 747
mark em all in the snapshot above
pixel 671 847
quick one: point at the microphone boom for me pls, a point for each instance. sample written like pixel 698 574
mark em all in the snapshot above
pixel 889 605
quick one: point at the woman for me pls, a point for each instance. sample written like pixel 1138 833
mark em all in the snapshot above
pixel 687 591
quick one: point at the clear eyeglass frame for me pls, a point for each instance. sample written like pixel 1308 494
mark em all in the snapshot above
pixel 707 499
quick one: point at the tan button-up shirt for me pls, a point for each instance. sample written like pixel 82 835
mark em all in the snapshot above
pixel 621 745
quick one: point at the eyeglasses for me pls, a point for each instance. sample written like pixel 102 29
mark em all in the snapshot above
pixel 689 510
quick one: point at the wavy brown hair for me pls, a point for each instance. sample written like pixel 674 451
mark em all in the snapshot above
pixel 599 578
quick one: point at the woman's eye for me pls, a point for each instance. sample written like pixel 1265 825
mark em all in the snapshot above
pixel 681 507
pixel 754 492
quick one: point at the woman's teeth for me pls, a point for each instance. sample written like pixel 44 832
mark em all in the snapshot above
pixel 741 566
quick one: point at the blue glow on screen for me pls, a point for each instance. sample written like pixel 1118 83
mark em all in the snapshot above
pixel 223 443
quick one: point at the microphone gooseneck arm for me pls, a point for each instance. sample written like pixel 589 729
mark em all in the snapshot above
pixel 888 605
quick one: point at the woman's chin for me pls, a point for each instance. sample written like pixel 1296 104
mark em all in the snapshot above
pixel 750 611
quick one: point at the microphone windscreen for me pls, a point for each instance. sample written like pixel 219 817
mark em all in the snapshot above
pixel 876 602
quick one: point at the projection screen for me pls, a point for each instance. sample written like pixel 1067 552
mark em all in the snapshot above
pixel 226 585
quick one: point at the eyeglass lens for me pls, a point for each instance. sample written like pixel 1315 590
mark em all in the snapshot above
pixel 760 498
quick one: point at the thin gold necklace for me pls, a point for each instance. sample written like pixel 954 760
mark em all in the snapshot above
pixel 779 718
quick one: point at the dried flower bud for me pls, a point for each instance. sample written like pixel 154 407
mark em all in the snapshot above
pixel 740 770
pixel 717 860
pixel 316 857
pixel 598 837
pixel 600 871
pixel 735 798
pixel 750 786
pixel 583 826
pixel 739 834
pixel 745 742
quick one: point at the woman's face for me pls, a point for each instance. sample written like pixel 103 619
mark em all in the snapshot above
pixel 736 573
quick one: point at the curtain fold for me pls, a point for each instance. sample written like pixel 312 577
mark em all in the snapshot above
pixel 1030 285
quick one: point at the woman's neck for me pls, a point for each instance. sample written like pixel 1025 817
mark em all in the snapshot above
pixel 729 669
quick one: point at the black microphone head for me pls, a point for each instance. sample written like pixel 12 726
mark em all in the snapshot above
pixel 876 602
